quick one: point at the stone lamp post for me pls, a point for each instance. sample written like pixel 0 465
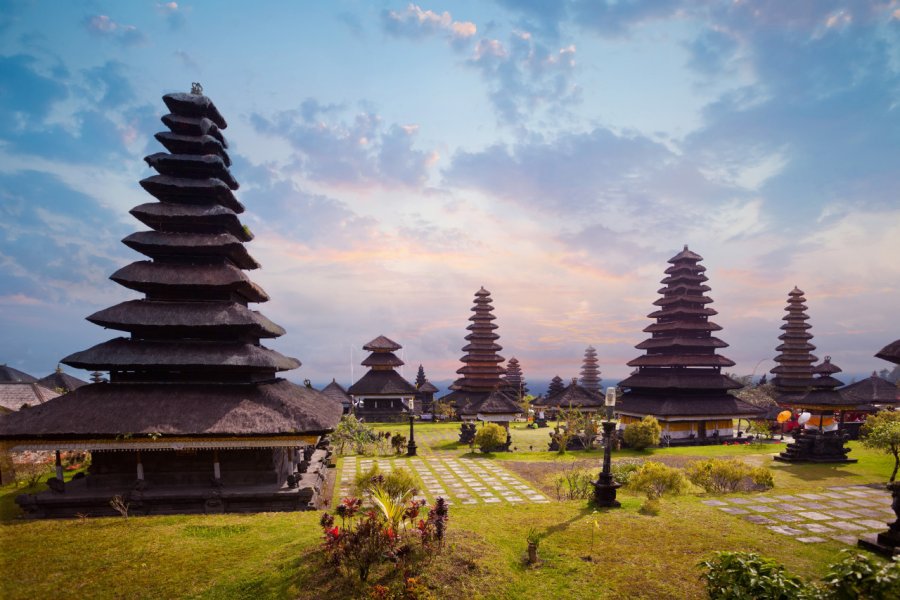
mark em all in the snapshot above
pixel 605 486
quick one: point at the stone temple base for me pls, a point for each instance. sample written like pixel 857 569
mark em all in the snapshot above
pixel 86 497
pixel 817 447
pixel 884 544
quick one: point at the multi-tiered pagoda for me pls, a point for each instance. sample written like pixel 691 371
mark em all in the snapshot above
pixel 425 391
pixel 382 395
pixel 195 417
pixel 590 371
pixel 514 382
pixel 679 380
pixel 481 371
pixel 794 373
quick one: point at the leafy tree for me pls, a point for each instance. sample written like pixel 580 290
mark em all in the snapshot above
pixel 882 432
pixel 644 434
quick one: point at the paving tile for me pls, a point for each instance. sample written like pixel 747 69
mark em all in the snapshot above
pixel 741 501
pixel 868 512
pixel 491 500
pixel 714 503
pixel 872 524
pixel 834 495
pixel 846 526
pixel 761 508
pixel 787 506
pixel 841 504
pixel 814 516
pixel 862 502
pixel 759 519
pixel 850 540
pixel 786 530
pixel 785 498
pixel 843 514
pixel 765 500
pixel 733 511
pixel 787 517
pixel 812 496
pixel 810 539
pixel 817 528
pixel 813 505
pixel 859 493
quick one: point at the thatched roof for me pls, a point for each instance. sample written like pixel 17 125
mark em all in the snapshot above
pixel 382 343
pixel 890 353
pixel 13 396
pixel 193 126
pixel 195 105
pixel 58 380
pixel 208 218
pixel 683 405
pixel 190 165
pixel 667 379
pixel 427 388
pixel 193 144
pixel 575 396
pixel 497 403
pixel 186 317
pixel 872 389
pixel 163 244
pixel 152 277
pixel 336 392
pixel 191 191
pixel 10 375
pixel 384 383
pixel 128 354
pixel 382 359
pixel 104 410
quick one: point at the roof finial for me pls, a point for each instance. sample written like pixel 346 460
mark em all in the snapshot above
pixel 196 88
pixel 685 247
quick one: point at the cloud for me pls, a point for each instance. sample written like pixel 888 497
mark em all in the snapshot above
pixel 187 60
pixel 358 152
pixel 103 26
pixel 26 96
pixel 111 80
pixel 415 23
pixel 173 13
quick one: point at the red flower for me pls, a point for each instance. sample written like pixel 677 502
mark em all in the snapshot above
pixel 334 532
pixel 391 533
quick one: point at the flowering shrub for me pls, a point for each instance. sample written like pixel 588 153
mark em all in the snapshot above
pixel 393 531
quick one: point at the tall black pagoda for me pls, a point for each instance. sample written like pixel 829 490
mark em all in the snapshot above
pixel 481 372
pixel 794 373
pixel 195 417
pixel 382 395
pixel 679 379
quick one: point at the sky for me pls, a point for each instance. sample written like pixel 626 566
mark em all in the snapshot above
pixel 394 157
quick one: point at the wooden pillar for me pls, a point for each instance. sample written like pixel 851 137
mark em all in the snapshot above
pixel 59 469
pixel 217 470
pixel 140 466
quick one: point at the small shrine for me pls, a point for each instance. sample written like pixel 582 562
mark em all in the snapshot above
pixel 61 381
pixel 794 373
pixel 481 372
pixel 425 392
pixel 820 437
pixel 382 395
pixel 590 371
pixel 337 393
pixel 679 380
pixel 194 418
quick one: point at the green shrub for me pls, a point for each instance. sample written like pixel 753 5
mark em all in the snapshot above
pixel 726 475
pixel 644 434
pixel 398 482
pixel 490 438
pixel 861 576
pixel 622 471
pixel 748 576
pixel 656 480
pixel 575 484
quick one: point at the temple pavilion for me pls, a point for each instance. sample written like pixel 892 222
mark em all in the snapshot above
pixel 336 392
pixel 573 395
pixel 195 417
pixel 873 390
pixel 382 395
pixel 794 372
pixel 679 379
pixel 61 381
pixel 821 438
pixel 480 375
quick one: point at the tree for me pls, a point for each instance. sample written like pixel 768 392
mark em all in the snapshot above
pixel 644 434
pixel 882 432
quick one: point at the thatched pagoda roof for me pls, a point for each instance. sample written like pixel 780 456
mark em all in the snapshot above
pixel 181 319
pixel 382 343
pixel 383 360
pixel 382 383
pixel 159 278
pixel 481 370
pixel 58 380
pixel 336 392
pixel 15 395
pixel 497 403
pixel 191 217
pixel 576 396
pixel 696 405
pixel 590 370
pixel 890 353
pixel 11 375
pixel 872 390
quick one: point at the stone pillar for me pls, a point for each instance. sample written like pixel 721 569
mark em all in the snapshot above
pixel 140 466
pixel 59 469
pixel 217 470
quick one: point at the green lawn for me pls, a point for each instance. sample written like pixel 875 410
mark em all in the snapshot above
pixel 276 555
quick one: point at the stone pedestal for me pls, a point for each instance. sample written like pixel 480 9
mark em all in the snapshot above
pixel 887 543
pixel 816 446
pixel 605 486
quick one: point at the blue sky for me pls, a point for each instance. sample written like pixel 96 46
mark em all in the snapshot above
pixel 394 157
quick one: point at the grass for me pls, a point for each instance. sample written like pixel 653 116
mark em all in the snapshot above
pixel 276 555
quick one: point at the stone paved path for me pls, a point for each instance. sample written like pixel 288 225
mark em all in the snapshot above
pixel 458 480
pixel 839 513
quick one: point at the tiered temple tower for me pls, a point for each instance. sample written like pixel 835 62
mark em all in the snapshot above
pixel 514 382
pixel 556 386
pixel 382 394
pixel 190 379
pixel 794 373
pixel 679 380
pixel 481 371
pixel 425 392
pixel 590 372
